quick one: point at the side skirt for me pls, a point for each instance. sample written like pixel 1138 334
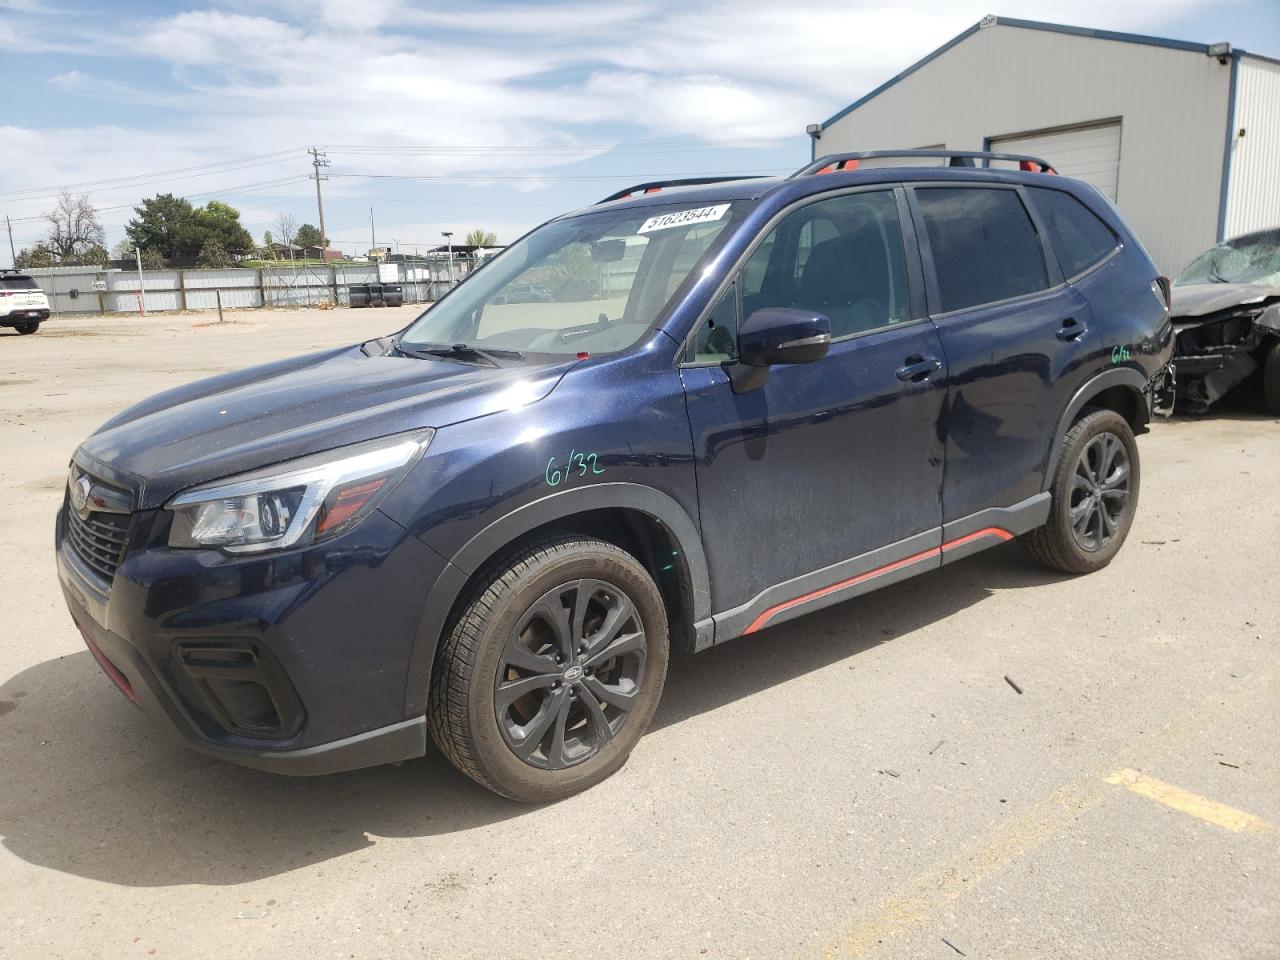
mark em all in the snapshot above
pixel 877 568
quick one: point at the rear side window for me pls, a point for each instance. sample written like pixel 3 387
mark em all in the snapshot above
pixel 17 283
pixel 1079 237
pixel 985 247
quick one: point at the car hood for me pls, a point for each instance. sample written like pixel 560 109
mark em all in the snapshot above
pixel 253 418
pixel 1197 300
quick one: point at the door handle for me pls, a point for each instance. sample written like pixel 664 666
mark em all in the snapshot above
pixel 918 368
pixel 1072 329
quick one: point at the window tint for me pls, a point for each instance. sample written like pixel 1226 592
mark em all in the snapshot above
pixel 1079 237
pixel 984 245
pixel 717 338
pixel 841 257
pixel 17 283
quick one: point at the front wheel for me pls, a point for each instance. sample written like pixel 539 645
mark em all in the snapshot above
pixel 1094 496
pixel 31 326
pixel 552 669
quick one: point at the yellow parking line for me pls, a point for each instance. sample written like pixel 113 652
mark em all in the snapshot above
pixel 1210 811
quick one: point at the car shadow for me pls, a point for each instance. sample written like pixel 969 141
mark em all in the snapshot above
pixel 91 788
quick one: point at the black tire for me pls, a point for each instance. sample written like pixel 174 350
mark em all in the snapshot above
pixel 502 641
pixel 1271 379
pixel 1088 489
pixel 31 326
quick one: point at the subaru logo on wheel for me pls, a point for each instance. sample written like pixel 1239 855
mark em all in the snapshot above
pixel 80 495
pixel 573 674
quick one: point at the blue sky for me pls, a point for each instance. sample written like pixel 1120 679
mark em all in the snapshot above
pixel 448 116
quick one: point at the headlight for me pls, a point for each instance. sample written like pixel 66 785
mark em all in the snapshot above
pixel 295 502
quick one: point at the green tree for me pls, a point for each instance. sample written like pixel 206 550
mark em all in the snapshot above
pixel 220 221
pixel 213 254
pixel 164 223
pixel 178 231
pixel 309 236
pixel 153 259
pixel 95 256
pixel 37 256
pixel 479 237
pixel 122 250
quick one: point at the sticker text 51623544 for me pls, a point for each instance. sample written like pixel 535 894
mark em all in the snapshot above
pixel 683 218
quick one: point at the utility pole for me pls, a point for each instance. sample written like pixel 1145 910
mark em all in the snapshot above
pixel 373 234
pixel 10 228
pixel 318 160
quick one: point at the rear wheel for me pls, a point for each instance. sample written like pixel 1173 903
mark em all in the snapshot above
pixel 1094 496
pixel 1271 379
pixel 552 669
pixel 30 326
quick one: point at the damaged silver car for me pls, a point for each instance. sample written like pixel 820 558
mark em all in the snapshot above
pixel 1226 317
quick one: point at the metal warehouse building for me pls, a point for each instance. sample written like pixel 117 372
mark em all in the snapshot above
pixel 1183 137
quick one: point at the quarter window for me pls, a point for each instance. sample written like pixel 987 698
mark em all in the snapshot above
pixel 717 339
pixel 985 247
pixel 1079 237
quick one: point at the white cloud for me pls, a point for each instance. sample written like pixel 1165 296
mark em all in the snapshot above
pixel 487 78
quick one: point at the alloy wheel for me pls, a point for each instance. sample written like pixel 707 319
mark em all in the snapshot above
pixel 1099 491
pixel 570 674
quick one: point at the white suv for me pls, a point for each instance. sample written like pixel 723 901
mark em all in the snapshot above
pixel 22 303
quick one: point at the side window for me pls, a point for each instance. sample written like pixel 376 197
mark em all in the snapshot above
pixel 985 247
pixel 1079 236
pixel 842 257
pixel 717 338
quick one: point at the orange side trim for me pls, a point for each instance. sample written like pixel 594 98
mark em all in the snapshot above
pixel 978 535
pixel 773 611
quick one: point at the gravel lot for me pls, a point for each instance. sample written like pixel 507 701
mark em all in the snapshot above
pixel 859 782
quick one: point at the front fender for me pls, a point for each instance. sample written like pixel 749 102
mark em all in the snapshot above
pixel 511 527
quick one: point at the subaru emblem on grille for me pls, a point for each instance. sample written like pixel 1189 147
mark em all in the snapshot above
pixel 80 495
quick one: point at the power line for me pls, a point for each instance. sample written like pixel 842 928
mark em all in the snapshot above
pixel 448 178
pixel 133 179
pixel 638 146
pixel 226 192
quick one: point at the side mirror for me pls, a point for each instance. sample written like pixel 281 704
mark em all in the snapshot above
pixel 778 335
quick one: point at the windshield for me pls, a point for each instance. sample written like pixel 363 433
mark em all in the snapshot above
pixel 593 283
pixel 1251 259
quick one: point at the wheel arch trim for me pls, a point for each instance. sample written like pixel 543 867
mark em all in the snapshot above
pixel 507 529
pixel 1125 377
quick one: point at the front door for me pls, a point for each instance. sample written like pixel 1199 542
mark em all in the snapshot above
pixel 832 471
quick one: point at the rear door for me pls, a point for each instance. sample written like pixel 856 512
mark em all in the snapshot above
pixel 831 460
pixel 1012 333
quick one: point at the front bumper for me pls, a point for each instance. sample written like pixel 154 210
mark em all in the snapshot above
pixel 327 630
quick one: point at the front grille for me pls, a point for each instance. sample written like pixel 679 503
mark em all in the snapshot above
pixel 98 540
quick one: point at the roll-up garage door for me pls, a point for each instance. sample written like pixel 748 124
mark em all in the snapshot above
pixel 1089 153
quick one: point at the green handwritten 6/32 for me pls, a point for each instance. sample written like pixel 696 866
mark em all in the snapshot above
pixel 579 465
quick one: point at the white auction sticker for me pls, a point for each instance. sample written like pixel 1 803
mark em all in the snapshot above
pixel 684 218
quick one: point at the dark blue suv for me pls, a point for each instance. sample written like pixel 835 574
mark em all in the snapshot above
pixel 738 402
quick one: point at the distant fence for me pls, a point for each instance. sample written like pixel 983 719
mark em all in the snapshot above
pixel 94 290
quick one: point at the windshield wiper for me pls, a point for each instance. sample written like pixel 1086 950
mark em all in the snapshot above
pixel 462 352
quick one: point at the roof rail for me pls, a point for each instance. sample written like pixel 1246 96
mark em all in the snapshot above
pixel 655 186
pixel 846 162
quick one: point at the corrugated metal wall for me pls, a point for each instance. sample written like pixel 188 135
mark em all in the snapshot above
pixel 1006 80
pixel 72 290
pixel 1253 193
